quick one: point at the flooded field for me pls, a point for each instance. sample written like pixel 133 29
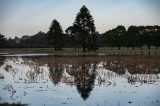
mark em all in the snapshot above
pixel 45 80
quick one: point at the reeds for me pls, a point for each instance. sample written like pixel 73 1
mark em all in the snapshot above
pixel 135 64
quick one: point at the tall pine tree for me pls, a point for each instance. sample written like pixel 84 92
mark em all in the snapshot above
pixel 55 35
pixel 86 29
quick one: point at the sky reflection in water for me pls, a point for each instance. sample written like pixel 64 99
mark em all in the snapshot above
pixel 39 82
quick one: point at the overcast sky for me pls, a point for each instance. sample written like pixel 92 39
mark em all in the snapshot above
pixel 27 17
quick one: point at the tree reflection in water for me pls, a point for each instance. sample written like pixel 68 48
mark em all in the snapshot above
pixel 85 72
pixel 55 74
pixel 82 71
pixel 84 77
pixel 142 78
pixel 84 80
pixel 2 59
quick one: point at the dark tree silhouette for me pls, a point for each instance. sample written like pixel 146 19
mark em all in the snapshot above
pixel 86 29
pixel 84 80
pixel 72 31
pixel 133 38
pixel 115 37
pixel 149 33
pixel 156 37
pixel 120 33
pixel 37 40
pixel 141 30
pixel 2 41
pixel 55 35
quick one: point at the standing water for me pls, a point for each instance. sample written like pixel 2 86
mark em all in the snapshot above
pixel 60 81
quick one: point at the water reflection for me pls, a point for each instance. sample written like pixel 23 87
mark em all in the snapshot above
pixel 143 78
pixel 82 76
pixel 56 74
pixel 2 59
pixel 10 88
pixel 21 76
pixel 84 79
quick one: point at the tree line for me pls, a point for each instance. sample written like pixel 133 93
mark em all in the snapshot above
pixel 83 34
pixel 134 36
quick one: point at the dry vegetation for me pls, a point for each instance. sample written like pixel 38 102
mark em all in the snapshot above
pixel 135 64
